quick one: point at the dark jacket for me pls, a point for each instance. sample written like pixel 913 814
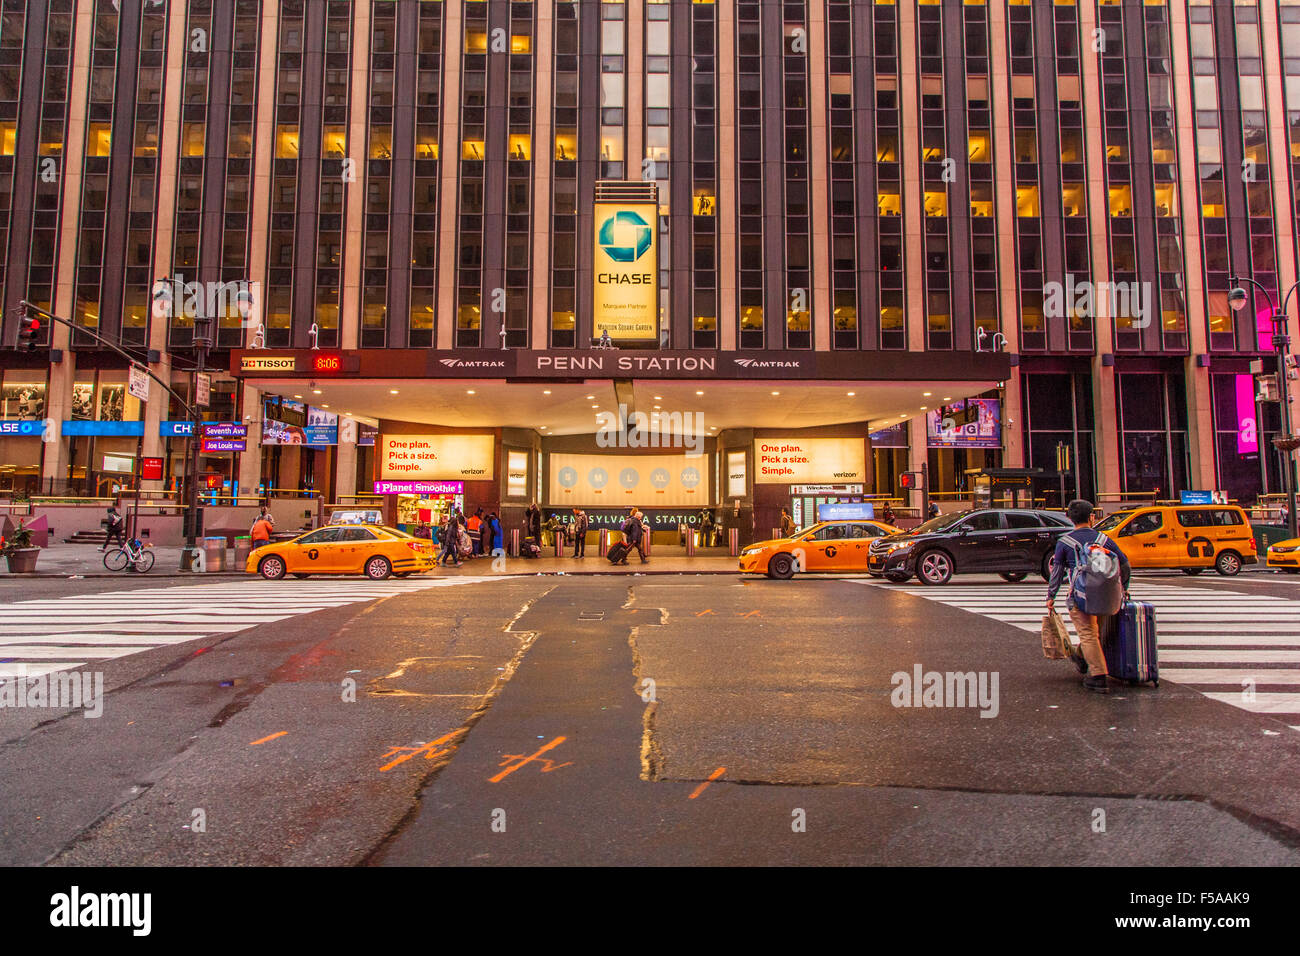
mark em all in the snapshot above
pixel 1066 560
pixel 533 523
pixel 632 530
pixel 581 523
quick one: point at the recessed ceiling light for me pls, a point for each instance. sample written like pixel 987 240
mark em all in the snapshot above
pixel 297 396
pixel 659 398
pixel 926 394
pixel 469 391
pixel 315 391
pixel 947 398
pixel 923 408
pixel 590 397
pixel 324 406
pixel 546 391
pixel 850 394
pixel 595 406
pixel 658 406
pixel 699 393
pixel 776 393
pixel 392 391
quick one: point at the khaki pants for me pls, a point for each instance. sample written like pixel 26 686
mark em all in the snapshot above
pixel 1087 627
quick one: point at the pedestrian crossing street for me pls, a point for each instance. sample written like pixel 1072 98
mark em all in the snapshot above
pixel 1221 643
pixel 53 634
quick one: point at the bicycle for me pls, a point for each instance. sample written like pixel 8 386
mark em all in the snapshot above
pixel 133 555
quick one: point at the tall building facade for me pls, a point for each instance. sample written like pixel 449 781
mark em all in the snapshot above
pixel 897 190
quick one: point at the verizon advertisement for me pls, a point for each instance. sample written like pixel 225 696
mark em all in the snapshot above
pixel 790 461
pixel 436 457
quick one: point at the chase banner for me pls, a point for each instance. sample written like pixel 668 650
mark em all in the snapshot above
pixel 625 272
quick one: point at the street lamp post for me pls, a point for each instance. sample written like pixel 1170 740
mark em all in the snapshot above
pixel 1237 298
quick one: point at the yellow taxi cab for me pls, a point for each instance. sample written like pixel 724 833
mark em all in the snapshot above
pixel 1284 555
pixel 370 549
pixel 1190 538
pixel 826 546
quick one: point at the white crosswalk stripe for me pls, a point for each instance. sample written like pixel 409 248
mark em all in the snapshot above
pixel 1209 639
pixel 44 635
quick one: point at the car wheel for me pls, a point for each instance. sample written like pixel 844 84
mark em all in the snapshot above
pixel 1045 571
pixel 1228 563
pixel 781 567
pixel 897 578
pixel 378 568
pixel 934 567
pixel 271 567
pixel 1192 572
pixel 1013 577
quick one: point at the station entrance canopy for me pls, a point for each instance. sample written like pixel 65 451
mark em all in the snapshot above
pixel 565 389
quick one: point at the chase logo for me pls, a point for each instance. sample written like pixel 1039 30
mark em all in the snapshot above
pixel 23 427
pixel 625 236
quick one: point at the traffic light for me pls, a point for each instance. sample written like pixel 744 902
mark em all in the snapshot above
pixel 28 329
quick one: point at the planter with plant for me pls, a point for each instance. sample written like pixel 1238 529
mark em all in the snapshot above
pixel 19 552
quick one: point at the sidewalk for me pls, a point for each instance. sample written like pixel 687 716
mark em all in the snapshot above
pixel 86 560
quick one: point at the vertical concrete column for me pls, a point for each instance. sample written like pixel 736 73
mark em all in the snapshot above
pixel 250 461
pixel 913 185
pixel 453 40
pixel 355 203
pixel 918 454
pixel 1200 406
pixel 819 175
pixel 543 166
pixel 58 397
pixel 728 311
pixel 1279 163
pixel 1105 435
pixel 345 470
pixel 168 165
pixel 1004 192
pixel 634 91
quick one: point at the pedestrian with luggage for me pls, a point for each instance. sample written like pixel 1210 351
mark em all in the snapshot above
pixel 580 526
pixel 1098 574
pixel 633 532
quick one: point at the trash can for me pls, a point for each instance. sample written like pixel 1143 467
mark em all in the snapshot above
pixel 243 547
pixel 214 554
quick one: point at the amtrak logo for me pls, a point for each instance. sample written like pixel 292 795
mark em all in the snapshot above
pixel 766 363
pixel 473 363
pixel 625 236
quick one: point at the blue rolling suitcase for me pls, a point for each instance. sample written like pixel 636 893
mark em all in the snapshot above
pixel 1130 644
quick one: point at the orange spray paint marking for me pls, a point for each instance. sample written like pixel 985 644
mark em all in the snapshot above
pixel 707 610
pixel 254 743
pixel 712 777
pixel 429 750
pixel 750 614
pixel 522 761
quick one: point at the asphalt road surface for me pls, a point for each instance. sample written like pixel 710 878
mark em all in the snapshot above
pixel 639 720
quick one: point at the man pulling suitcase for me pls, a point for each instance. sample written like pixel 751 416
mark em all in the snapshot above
pixel 1099 574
